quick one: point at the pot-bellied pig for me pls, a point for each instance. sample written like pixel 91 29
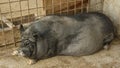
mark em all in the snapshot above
pixel 70 35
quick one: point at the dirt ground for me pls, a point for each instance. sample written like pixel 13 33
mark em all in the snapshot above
pixel 103 59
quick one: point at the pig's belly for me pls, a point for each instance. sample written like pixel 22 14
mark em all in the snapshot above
pixel 84 44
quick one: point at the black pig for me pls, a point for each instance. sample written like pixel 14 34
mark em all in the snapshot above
pixel 71 35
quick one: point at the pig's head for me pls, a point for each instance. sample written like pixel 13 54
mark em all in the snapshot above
pixel 28 42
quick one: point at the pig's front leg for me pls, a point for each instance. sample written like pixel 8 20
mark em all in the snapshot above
pixel 32 61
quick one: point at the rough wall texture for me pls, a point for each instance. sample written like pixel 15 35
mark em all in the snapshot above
pixel 112 9
pixel 96 5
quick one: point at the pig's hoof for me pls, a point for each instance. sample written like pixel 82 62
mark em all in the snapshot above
pixel 15 52
pixel 106 47
pixel 32 62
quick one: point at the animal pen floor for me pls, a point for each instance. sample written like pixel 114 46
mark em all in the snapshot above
pixel 103 59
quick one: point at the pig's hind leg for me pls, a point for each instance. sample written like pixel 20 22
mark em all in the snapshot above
pixel 107 40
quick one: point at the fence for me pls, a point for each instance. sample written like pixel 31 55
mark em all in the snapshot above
pixel 15 12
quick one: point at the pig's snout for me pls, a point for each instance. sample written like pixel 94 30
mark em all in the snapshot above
pixel 18 53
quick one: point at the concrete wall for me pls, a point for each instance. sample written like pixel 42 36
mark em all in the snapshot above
pixel 96 5
pixel 109 7
pixel 112 9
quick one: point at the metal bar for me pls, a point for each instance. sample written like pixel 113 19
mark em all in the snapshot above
pixel 27 0
pixel 88 5
pixel 9 44
pixel 44 6
pixel 60 6
pixel 75 3
pixel 37 8
pixel 11 2
pixel 21 12
pixel 52 7
pixel 13 33
pixel 63 2
pixel 67 6
pixel 3 33
pixel 28 9
pixel 82 5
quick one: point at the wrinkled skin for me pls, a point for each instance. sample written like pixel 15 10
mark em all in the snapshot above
pixel 78 35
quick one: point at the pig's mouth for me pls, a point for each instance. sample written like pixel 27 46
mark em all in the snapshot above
pixel 28 50
pixel 21 53
pixel 28 47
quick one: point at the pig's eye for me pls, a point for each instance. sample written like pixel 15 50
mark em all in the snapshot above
pixel 26 42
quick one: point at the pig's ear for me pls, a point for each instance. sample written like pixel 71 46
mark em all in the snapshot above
pixel 21 28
